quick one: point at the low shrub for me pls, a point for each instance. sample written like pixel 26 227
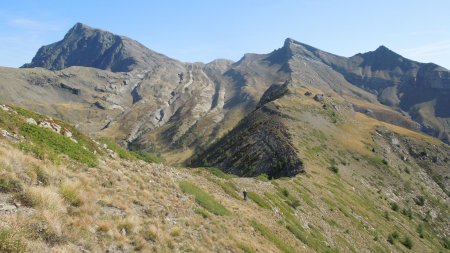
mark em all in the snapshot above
pixel 420 200
pixel 392 237
pixel 394 206
pixel 334 166
pixel 407 242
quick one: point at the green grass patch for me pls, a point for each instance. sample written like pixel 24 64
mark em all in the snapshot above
pixel 263 177
pixel 122 152
pixel 218 173
pixel 204 199
pixel 258 200
pixel 376 161
pixel 46 139
pixel 229 188
pixel 148 156
pixel 269 235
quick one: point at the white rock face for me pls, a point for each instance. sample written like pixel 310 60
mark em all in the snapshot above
pixel 31 121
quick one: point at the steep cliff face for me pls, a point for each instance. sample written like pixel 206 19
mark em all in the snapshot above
pixel 89 47
pixel 259 144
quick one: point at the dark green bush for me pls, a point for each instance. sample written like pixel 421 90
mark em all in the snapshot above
pixel 407 242
pixel 392 237
pixel 394 206
pixel 420 200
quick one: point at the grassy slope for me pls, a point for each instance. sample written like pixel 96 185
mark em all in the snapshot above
pixel 136 206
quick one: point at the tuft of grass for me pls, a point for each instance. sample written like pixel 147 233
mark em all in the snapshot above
pixel 204 199
pixel 46 139
pixel 269 235
pixel 126 225
pixel 10 242
pixel 150 234
pixel 175 231
pixel 258 200
pixel 70 194
pixel 44 198
pixel 8 183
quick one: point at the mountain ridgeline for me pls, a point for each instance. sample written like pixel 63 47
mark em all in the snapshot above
pixel 195 113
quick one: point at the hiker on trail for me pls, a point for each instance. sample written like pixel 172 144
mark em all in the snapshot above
pixel 245 194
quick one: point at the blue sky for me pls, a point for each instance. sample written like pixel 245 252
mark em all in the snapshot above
pixel 201 30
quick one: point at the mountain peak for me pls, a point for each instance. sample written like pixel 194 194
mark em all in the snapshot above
pixel 90 47
pixel 384 50
pixel 79 25
pixel 289 41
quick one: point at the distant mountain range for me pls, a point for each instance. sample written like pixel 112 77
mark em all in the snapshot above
pixel 111 85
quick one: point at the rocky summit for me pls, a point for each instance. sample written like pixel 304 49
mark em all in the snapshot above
pixel 108 146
